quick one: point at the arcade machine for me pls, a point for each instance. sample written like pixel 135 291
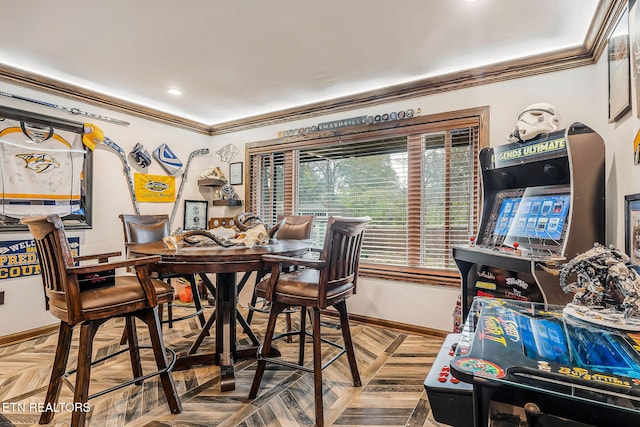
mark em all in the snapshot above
pixel 532 365
pixel 543 203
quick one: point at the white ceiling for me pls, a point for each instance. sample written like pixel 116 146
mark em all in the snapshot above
pixel 237 59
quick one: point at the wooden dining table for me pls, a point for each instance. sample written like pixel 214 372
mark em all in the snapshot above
pixel 224 262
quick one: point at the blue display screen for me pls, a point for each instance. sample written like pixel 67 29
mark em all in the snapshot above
pixel 542 217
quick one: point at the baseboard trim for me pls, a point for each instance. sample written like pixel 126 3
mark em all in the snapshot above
pixel 27 335
pixel 390 324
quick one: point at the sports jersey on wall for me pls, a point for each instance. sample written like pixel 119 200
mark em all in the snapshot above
pixel 41 169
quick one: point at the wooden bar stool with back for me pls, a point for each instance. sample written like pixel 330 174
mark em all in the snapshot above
pixel 153 228
pixel 295 227
pixel 127 296
pixel 326 282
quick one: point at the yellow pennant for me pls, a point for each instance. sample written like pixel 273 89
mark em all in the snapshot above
pixel 155 188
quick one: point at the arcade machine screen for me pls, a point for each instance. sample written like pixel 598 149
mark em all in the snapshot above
pixel 515 335
pixel 539 354
pixel 536 218
pixel 576 345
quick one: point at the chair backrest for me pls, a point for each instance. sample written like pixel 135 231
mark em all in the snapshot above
pixel 144 228
pixel 55 256
pixel 341 252
pixel 296 227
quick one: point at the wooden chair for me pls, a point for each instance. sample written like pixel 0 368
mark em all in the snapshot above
pixel 130 296
pixel 328 281
pixel 296 227
pixel 152 228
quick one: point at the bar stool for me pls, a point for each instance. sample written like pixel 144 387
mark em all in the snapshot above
pixel 152 228
pixel 129 296
pixel 328 281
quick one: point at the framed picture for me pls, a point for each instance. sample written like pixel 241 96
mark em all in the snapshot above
pixel 618 53
pixel 235 173
pixel 632 227
pixel 55 178
pixel 195 214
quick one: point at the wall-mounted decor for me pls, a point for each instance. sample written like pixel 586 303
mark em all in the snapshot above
pixel 71 110
pixel 632 226
pixel 619 70
pixel 169 161
pixel 45 168
pixel 155 188
pixel 227 153
pixel 351 121
pixel 634 39
pixel 195 215
pixel 20 257
pixel 235 173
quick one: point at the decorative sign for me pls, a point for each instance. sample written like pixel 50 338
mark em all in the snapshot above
pixel 531 149
pixel 19 258
pixel 352 121
pixel 155 188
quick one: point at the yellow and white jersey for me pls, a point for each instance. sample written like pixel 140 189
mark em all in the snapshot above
pixel 41 169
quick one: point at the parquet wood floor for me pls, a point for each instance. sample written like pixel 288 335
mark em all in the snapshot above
pixel 392 364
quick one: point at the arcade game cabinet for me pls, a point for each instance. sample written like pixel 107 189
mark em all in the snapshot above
pixel 543 203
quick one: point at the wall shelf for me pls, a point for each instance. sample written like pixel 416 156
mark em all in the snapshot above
pixel 210 182
pixel 227 203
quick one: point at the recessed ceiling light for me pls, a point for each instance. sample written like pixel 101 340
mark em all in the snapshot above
pixel 174 92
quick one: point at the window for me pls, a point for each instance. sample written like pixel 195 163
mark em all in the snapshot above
pixel 417 178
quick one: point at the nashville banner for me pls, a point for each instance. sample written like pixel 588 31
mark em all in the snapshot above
pixel 155 188
pixel 19 258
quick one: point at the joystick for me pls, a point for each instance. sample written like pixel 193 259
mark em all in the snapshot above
pixel 532 412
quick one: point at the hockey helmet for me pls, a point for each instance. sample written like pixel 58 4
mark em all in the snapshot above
pixel 536 119
pixel 140 155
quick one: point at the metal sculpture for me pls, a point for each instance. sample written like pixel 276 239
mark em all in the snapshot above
pixel 604 278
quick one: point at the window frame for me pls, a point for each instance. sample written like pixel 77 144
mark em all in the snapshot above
pixel 477 117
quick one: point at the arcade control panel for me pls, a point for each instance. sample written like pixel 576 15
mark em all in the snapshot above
pixel 450 399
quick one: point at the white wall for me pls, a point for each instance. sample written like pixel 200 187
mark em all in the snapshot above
pixel 579 95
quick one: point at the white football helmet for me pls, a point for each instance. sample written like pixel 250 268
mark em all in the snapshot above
pixel 536 119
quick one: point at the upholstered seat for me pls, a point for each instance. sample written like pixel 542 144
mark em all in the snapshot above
pixel 125 292
pixel 302 286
